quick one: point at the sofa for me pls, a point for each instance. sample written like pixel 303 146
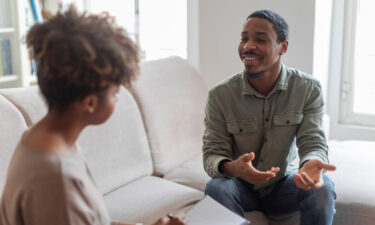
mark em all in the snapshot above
pixel 147 159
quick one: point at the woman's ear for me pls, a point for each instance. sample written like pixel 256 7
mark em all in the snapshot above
pixel 90 103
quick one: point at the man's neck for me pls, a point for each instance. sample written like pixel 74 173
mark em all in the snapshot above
pixel 265 83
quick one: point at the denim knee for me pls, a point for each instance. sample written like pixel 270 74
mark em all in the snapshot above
pixel 325 196
pixel 328 189
pixel 218 187
pixel 226 192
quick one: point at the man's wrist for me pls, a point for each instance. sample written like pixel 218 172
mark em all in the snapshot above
pixel 227 168
pixel 303 163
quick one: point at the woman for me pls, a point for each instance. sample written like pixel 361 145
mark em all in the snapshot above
pixel 82 61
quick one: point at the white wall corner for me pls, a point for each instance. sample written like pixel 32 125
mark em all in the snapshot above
pixel 193 33
pixel 322 42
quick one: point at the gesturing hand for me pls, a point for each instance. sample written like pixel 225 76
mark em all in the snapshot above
pixel 243 168
pixel 311 174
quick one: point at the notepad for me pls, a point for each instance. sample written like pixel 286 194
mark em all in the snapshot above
pixel 208 211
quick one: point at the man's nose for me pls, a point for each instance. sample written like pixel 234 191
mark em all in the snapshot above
pixel 249 45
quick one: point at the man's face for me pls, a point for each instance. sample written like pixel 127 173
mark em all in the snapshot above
pixel 259 49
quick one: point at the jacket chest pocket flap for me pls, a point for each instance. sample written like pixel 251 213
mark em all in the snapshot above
pixel 287 119
pixel 242 126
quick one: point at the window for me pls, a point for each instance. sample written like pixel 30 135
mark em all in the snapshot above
pixel 358 81
pixel 158 27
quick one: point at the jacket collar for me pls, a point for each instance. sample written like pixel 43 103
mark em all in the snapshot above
pixel 281 83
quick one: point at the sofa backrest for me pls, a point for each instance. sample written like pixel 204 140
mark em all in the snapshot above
pixel 12 126
pixel 171 95
pixel 117 151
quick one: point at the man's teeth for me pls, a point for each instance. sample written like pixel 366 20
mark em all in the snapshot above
pixel 250 58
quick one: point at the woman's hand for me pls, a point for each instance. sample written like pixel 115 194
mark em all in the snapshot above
pixel 171 220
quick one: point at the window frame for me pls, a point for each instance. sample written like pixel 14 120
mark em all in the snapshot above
pixel 347 114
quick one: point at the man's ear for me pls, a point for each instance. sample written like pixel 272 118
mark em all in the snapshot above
pixel 90 103
pixel 284 47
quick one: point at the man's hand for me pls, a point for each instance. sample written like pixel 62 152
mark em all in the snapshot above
pixel 311 174
pixel 243 168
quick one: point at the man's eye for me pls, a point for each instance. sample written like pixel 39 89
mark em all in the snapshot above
pixel 244 39
pixel 261 40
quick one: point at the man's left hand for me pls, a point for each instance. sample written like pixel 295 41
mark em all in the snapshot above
pixel 311 174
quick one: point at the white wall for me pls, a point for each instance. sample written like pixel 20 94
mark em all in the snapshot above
pixel 220 25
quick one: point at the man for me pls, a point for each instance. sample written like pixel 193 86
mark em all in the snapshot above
pixel 256 119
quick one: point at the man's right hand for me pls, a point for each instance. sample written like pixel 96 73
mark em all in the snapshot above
pixel 243 168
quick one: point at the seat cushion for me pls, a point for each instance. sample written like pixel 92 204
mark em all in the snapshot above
pixel 149 198
pixel 190 173
pixel 171 95
pixel 12 126
pixel 354 183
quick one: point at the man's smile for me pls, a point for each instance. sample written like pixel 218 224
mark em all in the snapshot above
pixel 250 58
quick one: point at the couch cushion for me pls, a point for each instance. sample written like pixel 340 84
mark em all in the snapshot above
pixel 11 128
pixel 191 173
pixel 171 95
pixel 149 198
pixel 117 151
pixel 354 183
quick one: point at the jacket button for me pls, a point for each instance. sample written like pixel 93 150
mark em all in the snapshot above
pixel 240 129
pixel 287 122
pixel 267 119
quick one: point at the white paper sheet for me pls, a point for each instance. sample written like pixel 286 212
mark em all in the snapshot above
pixel 208 211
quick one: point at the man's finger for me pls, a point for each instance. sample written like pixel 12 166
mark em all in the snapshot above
pixel 275 169
pixel 297 180
pixel 328 166
pixel 251 156
pixel 310 182
pixel 245 157
pixel 300 182
pixel 264 174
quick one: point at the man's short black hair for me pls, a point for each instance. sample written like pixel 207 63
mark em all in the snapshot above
pixel 279 24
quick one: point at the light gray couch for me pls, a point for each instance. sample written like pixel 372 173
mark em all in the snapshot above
pixel 147 161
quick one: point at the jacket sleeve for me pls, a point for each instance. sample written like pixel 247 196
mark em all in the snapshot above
pixel 311 140
pixel 217 141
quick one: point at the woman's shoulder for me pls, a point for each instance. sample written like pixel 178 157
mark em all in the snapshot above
pixel 39 139
pixel 32 164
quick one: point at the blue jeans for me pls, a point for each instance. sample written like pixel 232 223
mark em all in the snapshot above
pixel 316 206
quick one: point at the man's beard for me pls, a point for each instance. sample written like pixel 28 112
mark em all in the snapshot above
pixel 253 75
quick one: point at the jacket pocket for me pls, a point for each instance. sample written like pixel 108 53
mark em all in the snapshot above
pixel 287 119
pixel 242 126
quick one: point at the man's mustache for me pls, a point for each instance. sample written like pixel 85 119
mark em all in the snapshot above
pixel 249 53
